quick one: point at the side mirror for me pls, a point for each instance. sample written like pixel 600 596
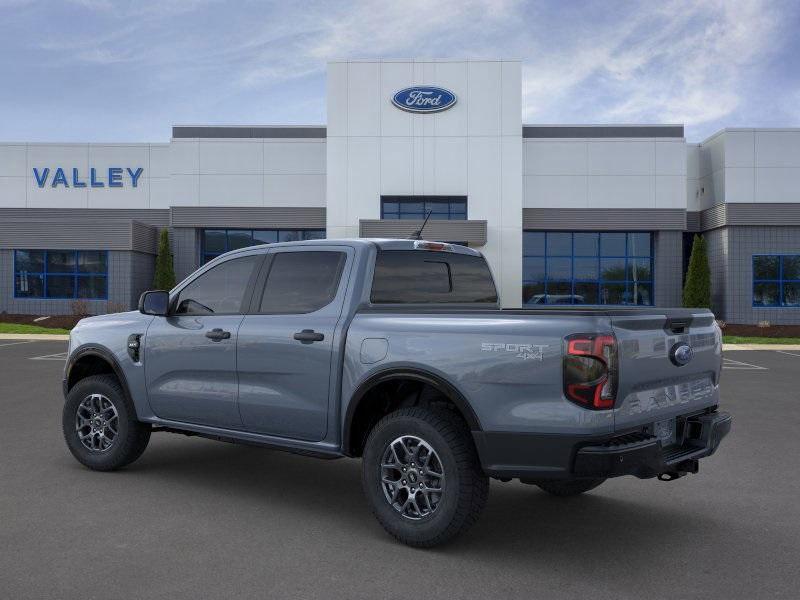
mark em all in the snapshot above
pixel 154 302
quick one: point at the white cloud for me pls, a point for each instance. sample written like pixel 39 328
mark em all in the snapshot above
pixel 301 43
pixel 681 62
pixel 703 63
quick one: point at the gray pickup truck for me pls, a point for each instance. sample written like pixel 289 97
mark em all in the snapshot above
pixel 396 351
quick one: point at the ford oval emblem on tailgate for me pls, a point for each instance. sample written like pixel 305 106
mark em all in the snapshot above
pixel 681 354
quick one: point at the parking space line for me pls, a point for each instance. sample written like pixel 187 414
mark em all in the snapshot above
pixel 737 365
pixel 787 353
pixel 59 356
pixel 16 343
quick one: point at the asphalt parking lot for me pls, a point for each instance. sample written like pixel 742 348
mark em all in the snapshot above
pixel 201 519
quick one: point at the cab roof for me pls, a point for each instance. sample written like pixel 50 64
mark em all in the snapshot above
pixel 381 243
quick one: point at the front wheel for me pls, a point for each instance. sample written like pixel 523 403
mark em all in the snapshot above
pixel 100 425
pixel 422 477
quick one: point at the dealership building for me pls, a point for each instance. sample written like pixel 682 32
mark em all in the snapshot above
pixel 565 214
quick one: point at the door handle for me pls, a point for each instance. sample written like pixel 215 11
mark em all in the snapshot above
pixel 308 336
pixel 218 334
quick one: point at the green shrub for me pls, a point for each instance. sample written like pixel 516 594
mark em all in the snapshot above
pixel 697 289
pixel 165 274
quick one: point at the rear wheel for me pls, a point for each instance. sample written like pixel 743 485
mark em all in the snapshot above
pixel 422 476
pixel 569 487
pixel 100 425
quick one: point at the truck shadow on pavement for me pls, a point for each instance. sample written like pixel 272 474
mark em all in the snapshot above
pixel 520 522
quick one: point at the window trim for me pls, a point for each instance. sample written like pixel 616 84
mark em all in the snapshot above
pixel 780 281
pixel 207 257
pixel 75 274
pixel 600 282
pixel 260 285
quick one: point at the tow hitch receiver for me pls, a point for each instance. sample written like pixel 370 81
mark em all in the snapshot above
pixel 681 469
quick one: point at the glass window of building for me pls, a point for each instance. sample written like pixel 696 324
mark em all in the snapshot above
pixel 218 241
pixel 65 274
pixel 776 280
pixel 564 267
pixel 446 208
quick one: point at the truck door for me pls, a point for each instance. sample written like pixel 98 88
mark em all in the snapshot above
pixel 190 355
pixel 285 345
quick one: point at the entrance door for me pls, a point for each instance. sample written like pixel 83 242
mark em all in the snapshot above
pixel 285 348
pixel 190 355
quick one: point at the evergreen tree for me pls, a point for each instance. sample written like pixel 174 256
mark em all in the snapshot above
pixel 697 289
pixel 165 275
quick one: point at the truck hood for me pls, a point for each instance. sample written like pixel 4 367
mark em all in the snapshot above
pixel 113 320
pixel 133 316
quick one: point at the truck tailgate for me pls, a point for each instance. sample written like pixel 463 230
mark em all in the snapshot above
pixel 654 387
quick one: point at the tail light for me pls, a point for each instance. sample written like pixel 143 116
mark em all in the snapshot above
pixel 590 370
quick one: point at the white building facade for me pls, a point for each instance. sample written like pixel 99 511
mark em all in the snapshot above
pixel 564 214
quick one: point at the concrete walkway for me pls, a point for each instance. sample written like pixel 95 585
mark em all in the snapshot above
pixel 730 347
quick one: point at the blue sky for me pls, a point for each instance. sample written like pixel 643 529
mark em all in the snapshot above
pixel 102 70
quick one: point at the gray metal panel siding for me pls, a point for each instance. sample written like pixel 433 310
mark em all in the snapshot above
pixel 142 271
pixel 772 214
pixel 144 238
pixel 290 217
pixel 602 131
pixel 713 217
pixel 717 249
pixel 63 234
pixel 668 268
pixel 185 251
pixel 471 231
pixel 693 221
pixel 314 132
pixel 606 219
pixel 151 216
pixel 762 213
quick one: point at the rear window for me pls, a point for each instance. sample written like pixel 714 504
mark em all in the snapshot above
pixel 420 276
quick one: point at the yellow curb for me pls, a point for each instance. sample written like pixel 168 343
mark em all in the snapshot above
pixel 34 336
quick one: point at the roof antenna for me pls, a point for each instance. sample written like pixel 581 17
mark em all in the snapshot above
pixel 417 235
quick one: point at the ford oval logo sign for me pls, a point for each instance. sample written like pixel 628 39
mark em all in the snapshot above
pixel 681 354
pixel 424 99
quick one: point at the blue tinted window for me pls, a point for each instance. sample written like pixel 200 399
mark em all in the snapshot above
pixel 776 280
pixel 67 274
pixel 588 267
pixel 449 208
pixel 220 241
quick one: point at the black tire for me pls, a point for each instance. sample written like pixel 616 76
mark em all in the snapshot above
pixel 569 487
pixel 465 489
pixel 131 438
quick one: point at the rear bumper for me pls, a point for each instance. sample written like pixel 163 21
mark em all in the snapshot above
pixel 534 456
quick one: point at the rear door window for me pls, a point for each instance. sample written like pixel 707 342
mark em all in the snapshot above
pixel 416 276
pixel 302 282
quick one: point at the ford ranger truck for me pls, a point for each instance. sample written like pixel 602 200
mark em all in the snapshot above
pixel 397 352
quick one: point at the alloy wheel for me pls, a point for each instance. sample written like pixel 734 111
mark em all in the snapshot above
pixel 97 423
pixel 412 477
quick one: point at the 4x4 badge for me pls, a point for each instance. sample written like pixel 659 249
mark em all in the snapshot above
pixel 523 351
